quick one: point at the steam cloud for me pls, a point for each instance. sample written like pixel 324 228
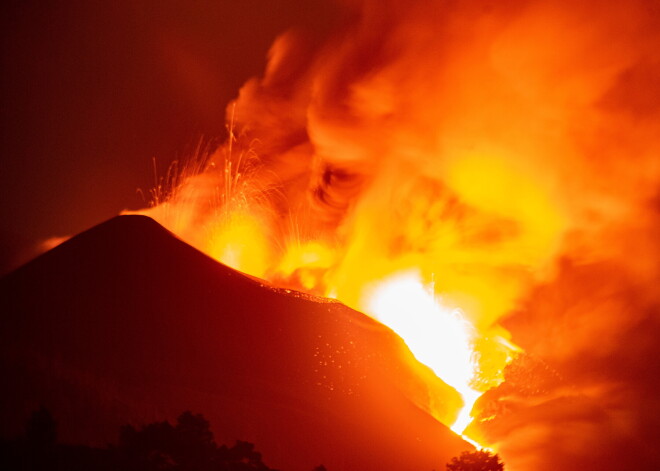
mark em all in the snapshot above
pixel 508 147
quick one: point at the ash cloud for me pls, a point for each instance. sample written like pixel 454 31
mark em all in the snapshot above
pixel 511 148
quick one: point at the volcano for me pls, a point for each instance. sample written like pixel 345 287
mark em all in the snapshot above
pixel 125 323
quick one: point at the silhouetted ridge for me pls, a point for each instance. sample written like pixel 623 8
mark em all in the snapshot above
pixel 136 223
pixel 124 323
pixel 187 445
pixel 130 239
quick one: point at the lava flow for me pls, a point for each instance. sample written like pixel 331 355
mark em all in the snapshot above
pixel 430 165
pixel 439 337
pixel 392 289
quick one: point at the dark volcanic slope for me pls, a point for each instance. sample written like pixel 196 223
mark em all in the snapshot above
pixel 126 323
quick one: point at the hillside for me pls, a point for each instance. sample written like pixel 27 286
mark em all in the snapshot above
pixel 125 323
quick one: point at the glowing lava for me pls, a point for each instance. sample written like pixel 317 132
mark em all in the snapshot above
pixel 438 336
pixel 446 138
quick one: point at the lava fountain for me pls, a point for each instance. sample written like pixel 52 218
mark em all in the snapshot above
pixel 428 164
pixel 438 337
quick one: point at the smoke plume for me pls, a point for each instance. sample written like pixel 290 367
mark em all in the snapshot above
pixel 506 150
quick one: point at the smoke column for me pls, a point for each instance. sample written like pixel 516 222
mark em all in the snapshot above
pixel 506 150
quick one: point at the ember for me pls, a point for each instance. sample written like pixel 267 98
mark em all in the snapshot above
pixel 431 165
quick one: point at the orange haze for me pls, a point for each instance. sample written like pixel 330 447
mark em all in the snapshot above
pixel 441 166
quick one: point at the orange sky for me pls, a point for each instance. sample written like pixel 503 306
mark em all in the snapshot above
pixel 93 91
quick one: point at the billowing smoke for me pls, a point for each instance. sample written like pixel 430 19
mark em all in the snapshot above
pixel 506 150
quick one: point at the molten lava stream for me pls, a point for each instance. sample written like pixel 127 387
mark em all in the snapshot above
pixel 470 359
pixel 439 337
pixel 466 358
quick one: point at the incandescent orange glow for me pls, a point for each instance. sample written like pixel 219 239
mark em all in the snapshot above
pixel 429 166
pixel 439 337
pixel 240 243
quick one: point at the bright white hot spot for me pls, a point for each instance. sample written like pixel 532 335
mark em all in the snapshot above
pixel 438 336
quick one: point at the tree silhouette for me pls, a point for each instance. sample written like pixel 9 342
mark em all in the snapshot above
pixel 150 448
pixel 41 429
pixel 40 438
pixel 241 457
pixel 188 445
pixel 479 460
pixel 193 443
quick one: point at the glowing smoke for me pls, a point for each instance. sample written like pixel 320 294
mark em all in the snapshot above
pixel 508 149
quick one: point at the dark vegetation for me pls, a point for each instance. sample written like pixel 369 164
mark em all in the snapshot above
pixel 480 460
pixel 186 326
pixel 187 445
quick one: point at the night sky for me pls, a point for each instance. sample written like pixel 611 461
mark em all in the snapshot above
pixel 523 134
pixel 93 92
